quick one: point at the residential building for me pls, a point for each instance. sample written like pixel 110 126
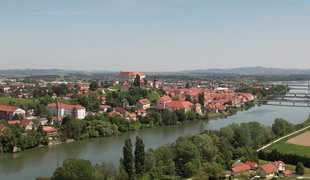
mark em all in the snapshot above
pixel 120 110
pixel 129 76
pixel 125 87
pixel 143 104
pixel 4 88
pixel 14 122
pixel 242 167
pixel 186 105
pixel 60 110
pixel 141 112
pixel 266 171
pixel 132 117
pixel 8 112
pixel 125 103
pixel 161 102
pixel 104 108
pixel 27 124
pixel 50 131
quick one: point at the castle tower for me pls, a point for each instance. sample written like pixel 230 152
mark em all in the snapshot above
pixel 155 83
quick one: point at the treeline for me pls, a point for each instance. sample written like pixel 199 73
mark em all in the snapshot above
pixel 262 92
pixel 13 136
pixel 203 156
pixel 288 158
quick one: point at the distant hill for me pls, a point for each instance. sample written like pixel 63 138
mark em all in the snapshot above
pixel 251 70
pixel 46 71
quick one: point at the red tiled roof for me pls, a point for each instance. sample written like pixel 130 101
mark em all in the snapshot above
pixel 131 74
pixel 25 122
pixel 179 104
pixel 114 114
pixel 269 168
pixel 251 164
pixel 66 106
pixel 49 129
pixel 277 163
pixel 58 119
pixel 141 111
pixel 104 106
pixel 164 98
pixel 125 84
pixel 145 101
pixel 101 98
pixel 287 172
pixel 7 108
pixel 123 100
pixel 2 126
pixel 132 115
pixel 119 109
pixel 243 167
pixel 14 122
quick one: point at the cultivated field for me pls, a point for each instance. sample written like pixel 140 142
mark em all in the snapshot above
pixel 302 139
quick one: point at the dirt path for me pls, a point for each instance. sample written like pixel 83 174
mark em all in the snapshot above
pixel 282 138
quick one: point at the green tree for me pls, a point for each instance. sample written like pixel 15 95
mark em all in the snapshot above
pixel 208 151
pixel 40 129
pixel 74 169
pixel 128 159
pixel 186 151
pixel 188 98
pixel 139 157
pixel 49 117
pixel 16 116
pixel 93 86
pixel 136 82
pixel 214 170
pixel 300 169
pixel 74 112
pixel 201 99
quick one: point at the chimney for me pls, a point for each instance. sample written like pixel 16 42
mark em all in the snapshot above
pixel 57 109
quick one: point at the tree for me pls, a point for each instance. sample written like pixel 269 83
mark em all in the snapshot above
pixel 300 169
pixel 74 169
pixel 40 129
pixel 93 86
pixel 206 148
pixel 188 85
pixel 136 82
pixel 128 159
pixel 49 117
pixel 201 99
pixel 16 116
pixel 139 156
pixel 188 98
pixel 74 112
pixel 214 170
pixel 186 151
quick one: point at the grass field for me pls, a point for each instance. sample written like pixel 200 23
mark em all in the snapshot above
pixel 6 100
pixel 116 87
pixel 284 147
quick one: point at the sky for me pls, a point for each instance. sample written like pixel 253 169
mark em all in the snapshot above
pixel 159 35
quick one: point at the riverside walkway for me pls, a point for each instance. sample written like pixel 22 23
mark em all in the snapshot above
pixel 282 138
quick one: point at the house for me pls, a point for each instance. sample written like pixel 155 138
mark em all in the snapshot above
pixel 104 108
pixel 227 174
pixel 132 117
pixel 60 110
pixel 243 167
pixel 266 171
pixel 125 103
pixel 279 165
pixel 287 172
pixel 8 112
pixel 57 119
pixel 125 87
pixel 115 114
pixel 141 112
pixel 236 164
pixel 14 122
pixel 172 105
pixel 27 124
pixel 2 126
pixel 129 76
pixel 253 165
pixel 4 88
pixel 143 104
pixel 101 99
pixel 120 110
pixel 50 131
pixel 54 96
pixel 161 102
pixel 43 121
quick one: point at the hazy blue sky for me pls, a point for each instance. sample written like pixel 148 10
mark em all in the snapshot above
pixel 159 35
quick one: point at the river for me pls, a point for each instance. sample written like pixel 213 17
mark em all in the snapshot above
pixel 42 161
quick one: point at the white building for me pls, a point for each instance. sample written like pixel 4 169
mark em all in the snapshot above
pixel 129 76
pixel 65 109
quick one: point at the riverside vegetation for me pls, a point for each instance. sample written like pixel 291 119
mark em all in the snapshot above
pixel 203 156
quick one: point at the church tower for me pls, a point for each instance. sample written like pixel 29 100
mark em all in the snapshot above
pixel 155 83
